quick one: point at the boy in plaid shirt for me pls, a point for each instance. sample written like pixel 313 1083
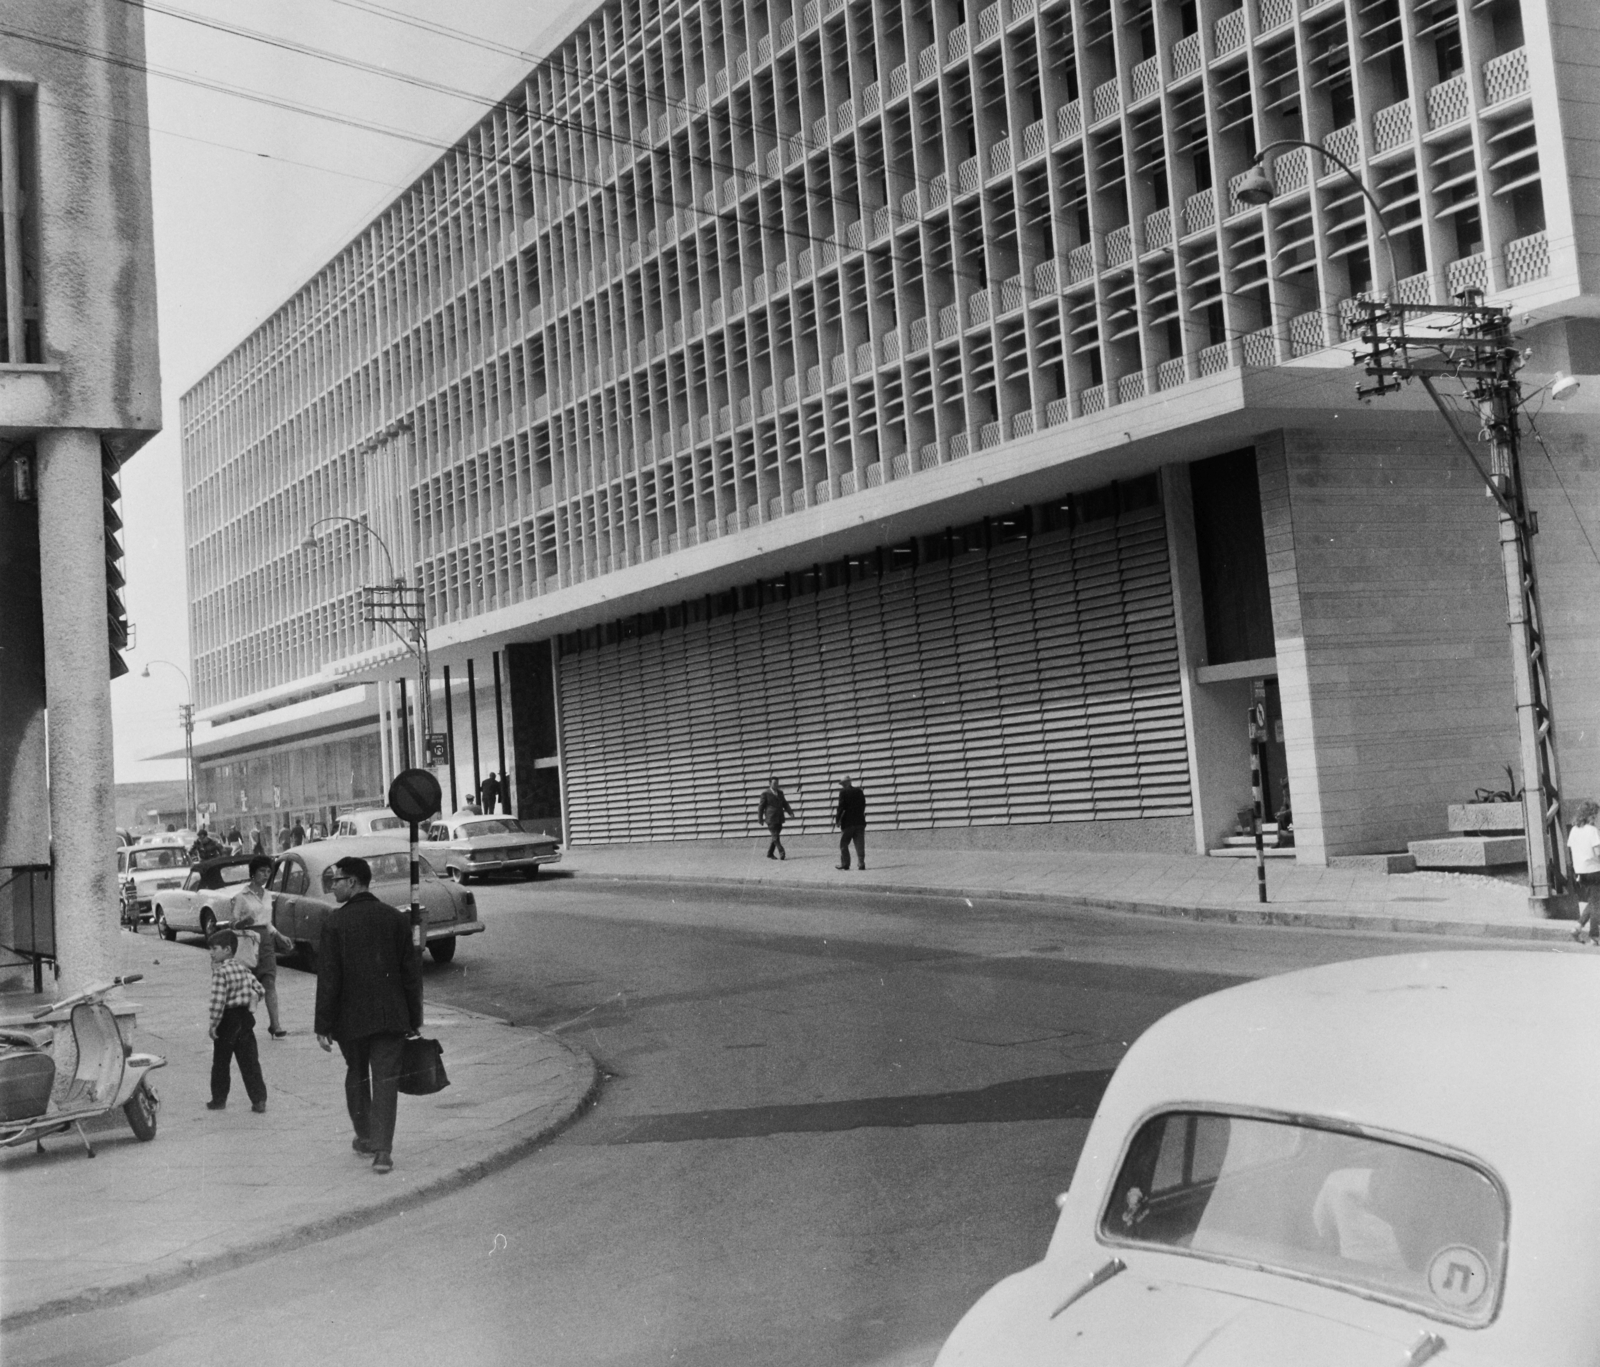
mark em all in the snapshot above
pixel 234 991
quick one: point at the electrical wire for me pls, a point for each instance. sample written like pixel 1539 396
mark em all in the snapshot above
pixel 1562 484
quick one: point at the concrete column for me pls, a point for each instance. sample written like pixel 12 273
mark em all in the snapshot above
pixel 72 571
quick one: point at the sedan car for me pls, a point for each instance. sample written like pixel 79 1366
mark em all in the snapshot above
pixel 302 878
pixel 145 870
pixel 303 882
pixel 467 846
pixel 1321 1169
pixel 371 821
pixel 203 902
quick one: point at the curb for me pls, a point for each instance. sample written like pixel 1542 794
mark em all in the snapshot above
pixel 326 1227
pixel 1238 916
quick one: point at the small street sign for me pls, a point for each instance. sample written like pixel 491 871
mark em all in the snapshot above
pixel 438 748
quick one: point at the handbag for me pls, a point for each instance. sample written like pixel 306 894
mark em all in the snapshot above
pixel 422 1067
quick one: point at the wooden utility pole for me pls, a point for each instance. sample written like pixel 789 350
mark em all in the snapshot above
pixel 1472 343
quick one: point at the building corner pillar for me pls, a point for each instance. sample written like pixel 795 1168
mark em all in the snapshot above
pixel 72 573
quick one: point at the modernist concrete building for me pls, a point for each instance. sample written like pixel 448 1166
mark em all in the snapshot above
pixel 898 388
pixel 79 393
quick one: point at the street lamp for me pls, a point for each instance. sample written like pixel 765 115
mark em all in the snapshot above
pixel 186 720
pixel 394 601
pixel 1257 187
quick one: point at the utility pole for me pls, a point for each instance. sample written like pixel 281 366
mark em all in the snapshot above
pixel 186 720
pixel 1472 343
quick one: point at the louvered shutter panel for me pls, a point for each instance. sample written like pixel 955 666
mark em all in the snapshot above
pixel 1034 682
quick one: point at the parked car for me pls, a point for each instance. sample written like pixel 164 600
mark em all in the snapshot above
pixel 303 879
pixel 1321 1168
pixel 467 846
pixel 374 821
pixel 144 870
pixel 203 902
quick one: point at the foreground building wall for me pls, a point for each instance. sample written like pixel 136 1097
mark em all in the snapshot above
pixel 732 292
pixel 79 393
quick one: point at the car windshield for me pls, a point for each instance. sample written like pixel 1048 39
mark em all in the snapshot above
pixel 386 868
pixel 489 826
pixel 157 859
pixel 1376 1217
pixel 385 823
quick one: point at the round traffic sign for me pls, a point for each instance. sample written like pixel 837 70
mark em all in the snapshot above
pixel 414 795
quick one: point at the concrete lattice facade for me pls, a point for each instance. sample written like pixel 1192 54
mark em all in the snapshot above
pixel 717 286
pixel 713 264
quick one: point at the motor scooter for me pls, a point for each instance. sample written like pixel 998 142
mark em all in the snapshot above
pixel 61 1072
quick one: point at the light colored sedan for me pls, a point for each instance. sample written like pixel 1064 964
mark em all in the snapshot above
pixel 303 882
pixel 1385 1162
pixel 203 902
pixel 468 846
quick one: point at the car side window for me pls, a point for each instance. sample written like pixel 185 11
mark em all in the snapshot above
pixel 295 881
pixel 192 882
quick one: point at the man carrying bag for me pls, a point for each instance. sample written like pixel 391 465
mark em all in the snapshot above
pixel 369 998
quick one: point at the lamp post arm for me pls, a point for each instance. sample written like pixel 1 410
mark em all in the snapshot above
pixel 1377 209
pixel 365 527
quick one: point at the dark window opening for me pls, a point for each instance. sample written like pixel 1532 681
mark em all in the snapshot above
pixel 1231 547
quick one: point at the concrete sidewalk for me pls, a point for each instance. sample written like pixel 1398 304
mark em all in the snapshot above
pixel 1190 886
pixel 215 1190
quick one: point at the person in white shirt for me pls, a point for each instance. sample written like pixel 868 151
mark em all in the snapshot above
pixel 1583 841
pixel 253 906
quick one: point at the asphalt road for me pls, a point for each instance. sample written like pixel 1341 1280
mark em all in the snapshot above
pixel 826 1128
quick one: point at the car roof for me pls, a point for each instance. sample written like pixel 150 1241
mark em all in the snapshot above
pixel 1408 1042
pixel 319 854
pixel 1490 1052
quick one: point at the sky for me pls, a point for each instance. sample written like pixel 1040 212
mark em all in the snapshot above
pixel 250 201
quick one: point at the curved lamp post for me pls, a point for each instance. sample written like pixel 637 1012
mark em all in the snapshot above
pixel 1257 187
pixel 186 717
pixel 417 644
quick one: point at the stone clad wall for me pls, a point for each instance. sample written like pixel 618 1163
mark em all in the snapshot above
pixel 1389 611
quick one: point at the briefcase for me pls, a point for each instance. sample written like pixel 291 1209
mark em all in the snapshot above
pixel 422 1067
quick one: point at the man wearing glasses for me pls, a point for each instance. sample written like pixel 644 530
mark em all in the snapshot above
pixel 369 997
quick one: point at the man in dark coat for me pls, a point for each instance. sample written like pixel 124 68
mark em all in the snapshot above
pixel 770 812
pixel 489 792
pixel 851 818
pixel 369 997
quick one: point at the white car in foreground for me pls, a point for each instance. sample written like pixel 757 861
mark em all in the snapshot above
pixel 1385 1162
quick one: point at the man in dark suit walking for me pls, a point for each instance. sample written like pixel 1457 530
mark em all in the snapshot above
pixel 369 997
pixel 850 816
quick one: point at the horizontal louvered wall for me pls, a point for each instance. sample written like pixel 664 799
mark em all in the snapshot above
pixel 1034 682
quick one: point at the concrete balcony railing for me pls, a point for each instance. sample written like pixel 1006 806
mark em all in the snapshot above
pixel 1448 102
pixel 1527 258
pixel 1393 126
pixel 1186 56
pixel 1230 32
pixel 1505 77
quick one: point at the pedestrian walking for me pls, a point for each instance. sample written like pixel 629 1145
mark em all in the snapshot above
pixel 489 791
pixel 1583 843
pixel 253 912
pixel 235 841
pixel 285 837
pixel 850 816
pixel 369 997
pixel 770 812
pixel 233 1027
pixel 256 847
pixel 297 833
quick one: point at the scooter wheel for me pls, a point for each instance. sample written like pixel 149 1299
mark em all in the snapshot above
pixel 140 1108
